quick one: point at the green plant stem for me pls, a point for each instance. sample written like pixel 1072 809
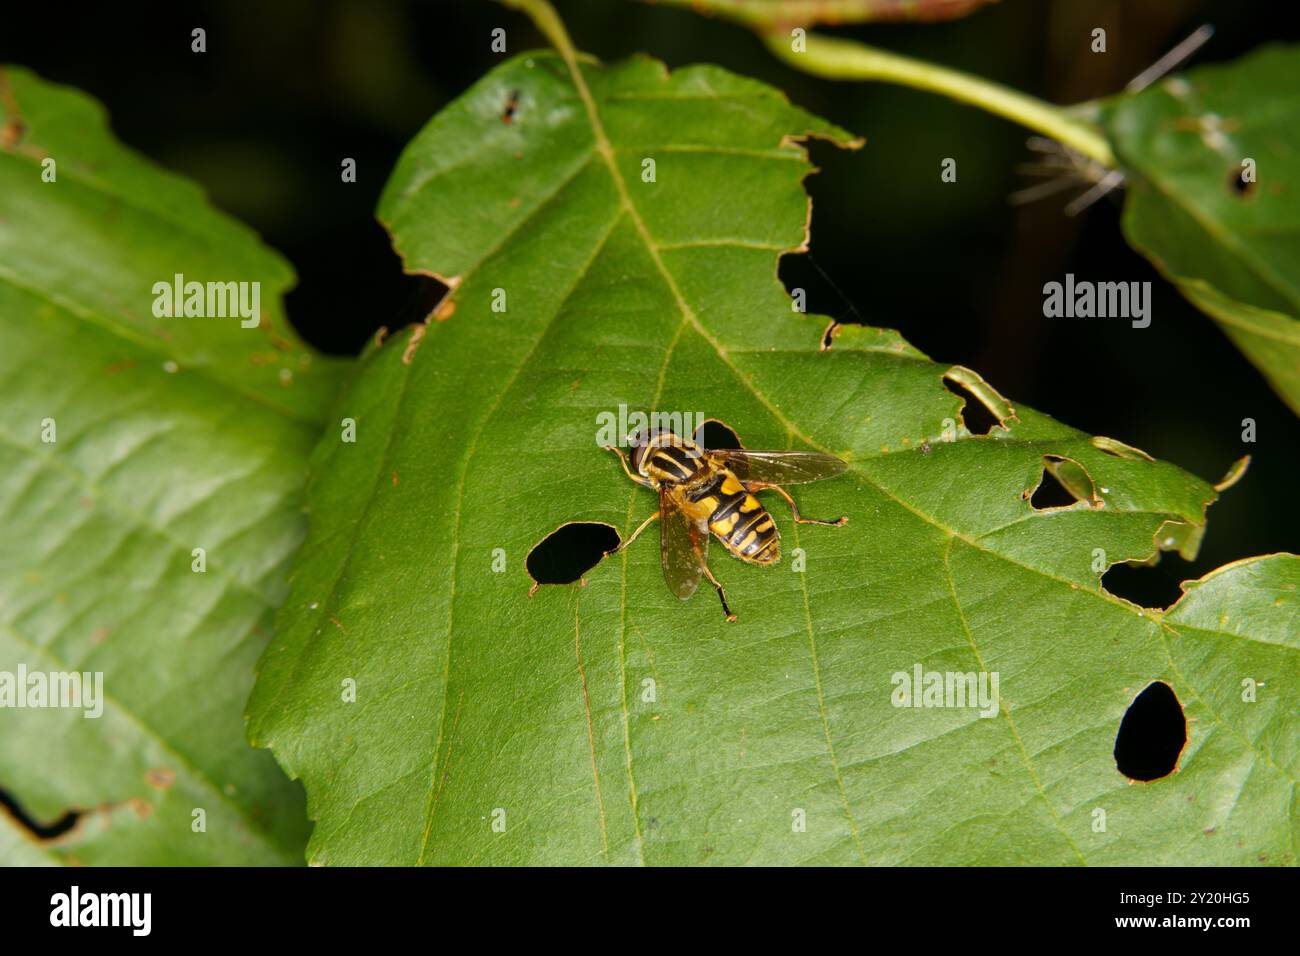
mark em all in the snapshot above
pixel 549 23
pixel 768 14
pixel 846 60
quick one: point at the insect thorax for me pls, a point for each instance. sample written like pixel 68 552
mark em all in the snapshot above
pixel 672 463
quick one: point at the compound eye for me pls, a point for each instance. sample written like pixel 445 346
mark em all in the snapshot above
pixel 638 456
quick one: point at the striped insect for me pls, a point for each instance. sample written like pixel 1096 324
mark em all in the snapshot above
pixel 711 492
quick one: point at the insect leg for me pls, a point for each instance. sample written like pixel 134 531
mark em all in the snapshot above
pixel 794 508
pixel 622 460
pixel 722 593
pixel 633 536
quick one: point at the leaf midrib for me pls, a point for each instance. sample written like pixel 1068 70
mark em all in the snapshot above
pixel 606 150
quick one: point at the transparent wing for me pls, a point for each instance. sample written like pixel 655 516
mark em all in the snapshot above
pixel 684 546
pixel 779 467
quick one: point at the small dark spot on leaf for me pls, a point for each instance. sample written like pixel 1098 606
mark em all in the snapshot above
pixel 1151 735
pixel 1242 187
pixel 160 778
pixel 570 551
pixel 512 105
pixel 12 133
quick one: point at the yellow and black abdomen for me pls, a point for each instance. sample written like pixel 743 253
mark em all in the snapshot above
pixel 739 520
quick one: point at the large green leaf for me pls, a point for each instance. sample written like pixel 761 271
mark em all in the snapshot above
pixel 1231 247
pixel 171 434
pixel 423 697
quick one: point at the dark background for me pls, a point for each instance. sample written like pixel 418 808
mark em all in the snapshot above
pixel 286 89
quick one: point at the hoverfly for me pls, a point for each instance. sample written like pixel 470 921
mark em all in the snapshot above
pixel 706 492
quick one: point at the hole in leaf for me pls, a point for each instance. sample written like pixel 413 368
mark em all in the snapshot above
pixel 981 407
pixel 570 551
pixel 821 294
pixel 828 337
pixel 1151 735
pixel 1064 482
pixel 351 282
pixel 975 415
pixel 425 295
pixel 1146 585
pixel 40 831
pixel 1050 493
pixel 1242 187
pixel 714 434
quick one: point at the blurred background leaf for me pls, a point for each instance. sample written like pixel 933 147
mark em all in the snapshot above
pixel 1225 232
pixel 170 434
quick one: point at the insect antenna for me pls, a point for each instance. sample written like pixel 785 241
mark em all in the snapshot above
pixel 852 310
pixel 1175 58
pixel 1067 168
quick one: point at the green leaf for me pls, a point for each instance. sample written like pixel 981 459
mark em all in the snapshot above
pixel 170 434
pixel 1231 247
pixel 612 722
